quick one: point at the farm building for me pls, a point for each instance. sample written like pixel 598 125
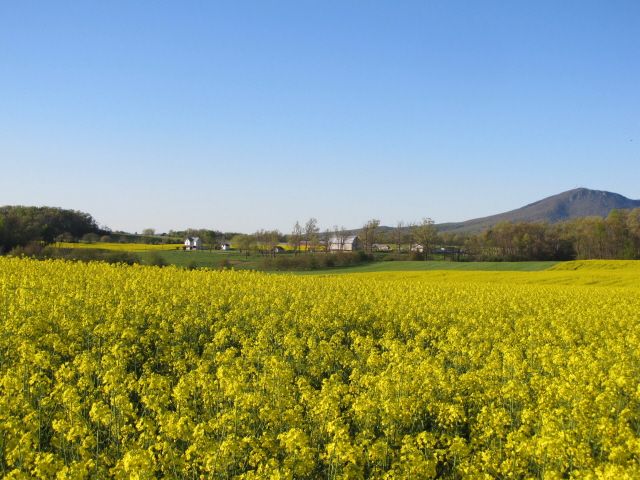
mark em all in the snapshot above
pixel 192 243
pixel 381 247
pixel 344 244
pixel 225 246
pixel 417 248
pixel 278 249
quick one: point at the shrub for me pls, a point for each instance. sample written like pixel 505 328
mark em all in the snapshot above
pixel 156 260
pixel 31 249
pixel 89 255
pixel 315 262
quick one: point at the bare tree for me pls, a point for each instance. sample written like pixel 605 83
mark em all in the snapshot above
pixel 296 237
pixel 338 238
pixel 311 231
pixel 273 240
pixel 425 234
pixel 327 236
pixel 407 234
pixel 398 234
pixel 342 236
pixel 368 233
pixel 267 241
pixel 244 243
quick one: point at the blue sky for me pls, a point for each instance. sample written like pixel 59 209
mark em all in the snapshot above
pixel 243 115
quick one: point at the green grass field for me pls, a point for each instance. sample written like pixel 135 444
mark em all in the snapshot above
pixel 234 259
pixel 202 259
pixel 217 259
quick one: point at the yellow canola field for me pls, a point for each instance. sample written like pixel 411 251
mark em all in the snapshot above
pixel 124 247
pixel 630 266
pixel 548 277
pixel 143 372
pixel 601 273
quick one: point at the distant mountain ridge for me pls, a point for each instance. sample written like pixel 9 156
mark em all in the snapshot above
pixel 579 202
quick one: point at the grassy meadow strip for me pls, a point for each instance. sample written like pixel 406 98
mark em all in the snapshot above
pixel 420 266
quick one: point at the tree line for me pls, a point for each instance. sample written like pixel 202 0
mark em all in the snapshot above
pixel 615 237
pixel 20 225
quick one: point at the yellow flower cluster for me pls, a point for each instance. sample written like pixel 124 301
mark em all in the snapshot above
pixel 142 372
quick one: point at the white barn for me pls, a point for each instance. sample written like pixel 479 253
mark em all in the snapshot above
pixel 344 244
pixel 192 243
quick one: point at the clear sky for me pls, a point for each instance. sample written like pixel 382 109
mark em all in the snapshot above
pixel 242 115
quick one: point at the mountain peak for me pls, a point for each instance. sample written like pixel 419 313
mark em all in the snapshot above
pixel 575 203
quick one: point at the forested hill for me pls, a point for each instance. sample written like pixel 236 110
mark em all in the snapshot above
pixel 580 202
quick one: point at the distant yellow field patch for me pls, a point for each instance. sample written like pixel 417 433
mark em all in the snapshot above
pixel 626 265
pixel 291 248
pixel 123 247
pixel 627 275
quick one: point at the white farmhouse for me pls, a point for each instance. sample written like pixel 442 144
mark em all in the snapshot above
pixel 192 243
